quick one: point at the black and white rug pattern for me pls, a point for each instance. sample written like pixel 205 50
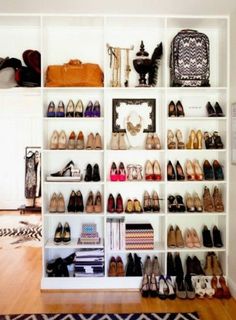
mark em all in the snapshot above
pixel 18 232
pixel 99 316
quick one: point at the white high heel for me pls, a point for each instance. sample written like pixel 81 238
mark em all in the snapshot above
pixel 54 140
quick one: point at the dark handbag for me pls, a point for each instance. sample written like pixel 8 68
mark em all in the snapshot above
pixel 189 59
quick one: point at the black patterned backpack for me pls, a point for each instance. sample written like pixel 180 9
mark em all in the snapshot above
pixel 189 60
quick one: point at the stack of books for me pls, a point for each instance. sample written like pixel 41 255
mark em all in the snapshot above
pixel 115 233
pixel 89 234
pixel 139 236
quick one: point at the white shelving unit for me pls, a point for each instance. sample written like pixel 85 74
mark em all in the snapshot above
pixel 60 38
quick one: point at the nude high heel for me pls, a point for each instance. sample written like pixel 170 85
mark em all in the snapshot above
pixel 62 140
pixel 71 141
pixel 197 170
pixel 156 142
pixel 191 141
pixel 54 140
pixel 170 140
pixel 199 138
pixel 122 143
pixel 190 170
pixel 98 141
pixel 148 144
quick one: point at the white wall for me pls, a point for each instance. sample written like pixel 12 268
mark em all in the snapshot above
pixel 121 6
pixel 232 193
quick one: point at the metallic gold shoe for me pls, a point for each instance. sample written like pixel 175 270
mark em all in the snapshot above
pixel 199 139
pixel 170 140
pixel 179 137
pixel 191 142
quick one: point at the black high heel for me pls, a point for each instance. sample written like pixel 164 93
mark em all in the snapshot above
pixel 170 172
pixel 171 204
pixel 88 175
pixel 62 173
pixel 179 109
pixel 179 171
pixel 218 144
pixel 209 142
pixel 71 203
pixel 79 204
pixel 180 205
pixel 66 234
pixel 210 110
pixel 219 112
pixel 218 171
pixel 96 173
pixel 58 236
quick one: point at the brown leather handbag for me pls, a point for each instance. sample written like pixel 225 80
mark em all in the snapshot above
pixel 74 74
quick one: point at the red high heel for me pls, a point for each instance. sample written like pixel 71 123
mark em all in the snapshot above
pixel 121 172
pixel 113 172
pixel 156 171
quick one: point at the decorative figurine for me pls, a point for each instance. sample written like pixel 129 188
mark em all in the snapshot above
pixel 142 64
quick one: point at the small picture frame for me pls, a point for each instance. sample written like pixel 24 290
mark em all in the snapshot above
pixel 146 108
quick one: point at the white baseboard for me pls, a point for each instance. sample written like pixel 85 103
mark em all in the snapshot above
pixel 232 287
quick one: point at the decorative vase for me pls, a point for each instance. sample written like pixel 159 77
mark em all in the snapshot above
pixel 142 65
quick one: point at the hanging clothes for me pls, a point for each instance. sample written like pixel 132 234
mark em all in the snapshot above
pixel 30 176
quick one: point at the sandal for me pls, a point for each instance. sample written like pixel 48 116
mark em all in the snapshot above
pixel 145 288
pixel 208 288
pixel 199 291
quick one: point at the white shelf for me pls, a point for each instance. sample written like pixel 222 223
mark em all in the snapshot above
pixel 195 150
pixel 67 151
pixel 192 250
pixel 205 182
pixel 83 119
pixel 104 29
pixel 21 91
pixel 76 214
pixel 196 214
pixel 160 247
pixel 72 245
pixel 196 119
pixel 73 182
pixel 143 215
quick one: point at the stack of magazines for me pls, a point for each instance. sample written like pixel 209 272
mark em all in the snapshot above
pixel 89 262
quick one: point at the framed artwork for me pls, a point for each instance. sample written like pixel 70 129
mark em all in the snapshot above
pixel 145 109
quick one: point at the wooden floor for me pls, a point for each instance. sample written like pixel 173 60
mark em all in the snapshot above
pixel 20 272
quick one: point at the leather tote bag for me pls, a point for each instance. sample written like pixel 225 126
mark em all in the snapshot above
pixel 74 74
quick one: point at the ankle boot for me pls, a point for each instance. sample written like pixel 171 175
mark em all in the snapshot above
pixel 208 201
pixel 147 269
pixel 216 266
pixel 170 265
pixel 218 201
pixel 208 265
pixel 137 266
pixel 178 266
pixel 130 266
